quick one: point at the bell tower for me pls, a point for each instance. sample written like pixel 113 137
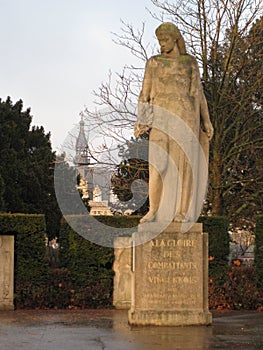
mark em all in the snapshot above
pixel 82 159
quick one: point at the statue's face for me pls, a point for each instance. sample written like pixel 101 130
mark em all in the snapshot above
pixel 166 43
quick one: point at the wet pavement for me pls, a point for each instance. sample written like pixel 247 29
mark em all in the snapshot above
pixel 109 330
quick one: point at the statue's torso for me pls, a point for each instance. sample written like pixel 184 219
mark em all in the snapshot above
pixel 174 86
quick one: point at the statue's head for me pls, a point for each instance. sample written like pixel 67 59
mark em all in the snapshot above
pixel 168 28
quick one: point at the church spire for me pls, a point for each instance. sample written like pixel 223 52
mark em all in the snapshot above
pixel 81 143
pixel 81 148
pixel 82 161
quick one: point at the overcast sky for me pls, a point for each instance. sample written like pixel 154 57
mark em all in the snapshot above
pixel 54 53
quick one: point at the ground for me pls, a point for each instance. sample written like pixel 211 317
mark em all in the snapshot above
pixel 108 330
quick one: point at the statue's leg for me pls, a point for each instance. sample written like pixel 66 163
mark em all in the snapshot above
pixel 189 180
pixel 187 192
pixel 182 183
pixel 155 194
pixel 157 167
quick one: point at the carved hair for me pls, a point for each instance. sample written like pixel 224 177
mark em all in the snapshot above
pixel 171 29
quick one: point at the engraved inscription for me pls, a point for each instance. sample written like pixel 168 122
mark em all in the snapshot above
pixel 175 279
pixel 171 273
pixel 164 299
pixel 172 243
pixel 171 265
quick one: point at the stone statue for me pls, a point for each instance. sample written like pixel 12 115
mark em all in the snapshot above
pixel 173 107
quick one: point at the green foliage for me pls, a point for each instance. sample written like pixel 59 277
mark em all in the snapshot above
pixel 229 287
pixel 259 249
pixel 66 180
pixel 58 290
pixel 86 261
pixel 90 265
pixel 63 292
pixel 219 239
pixel 31 268
pixel 83 257
pixel 239 291
pixel 26 174
pixel 134 166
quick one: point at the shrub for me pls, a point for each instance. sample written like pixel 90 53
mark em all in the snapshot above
pixel 217 228
pixel 58 290
pixel 240 290
pixel 89 264
pixel 90 268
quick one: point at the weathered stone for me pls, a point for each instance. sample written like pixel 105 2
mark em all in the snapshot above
pixel 6 272
pixel 173 108
pixel 170 253
pixel 170 279
pixel 122 277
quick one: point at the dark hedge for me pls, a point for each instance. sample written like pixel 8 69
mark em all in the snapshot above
pixel 239 290
pixel 219 239
pixel 89 264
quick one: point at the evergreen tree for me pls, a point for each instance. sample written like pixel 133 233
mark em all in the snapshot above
pixel 26 175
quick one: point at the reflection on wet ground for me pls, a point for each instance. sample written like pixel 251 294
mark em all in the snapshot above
pixel 108 330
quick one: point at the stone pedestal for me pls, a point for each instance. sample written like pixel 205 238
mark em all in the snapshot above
pixel 170 279
pixel 122 277
pixel 6 272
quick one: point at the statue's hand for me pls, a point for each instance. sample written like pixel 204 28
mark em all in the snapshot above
pixel 209 130
pixel 140 129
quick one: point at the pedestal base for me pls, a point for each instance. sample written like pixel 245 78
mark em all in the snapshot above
pixel 169 318
pixel 170 279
